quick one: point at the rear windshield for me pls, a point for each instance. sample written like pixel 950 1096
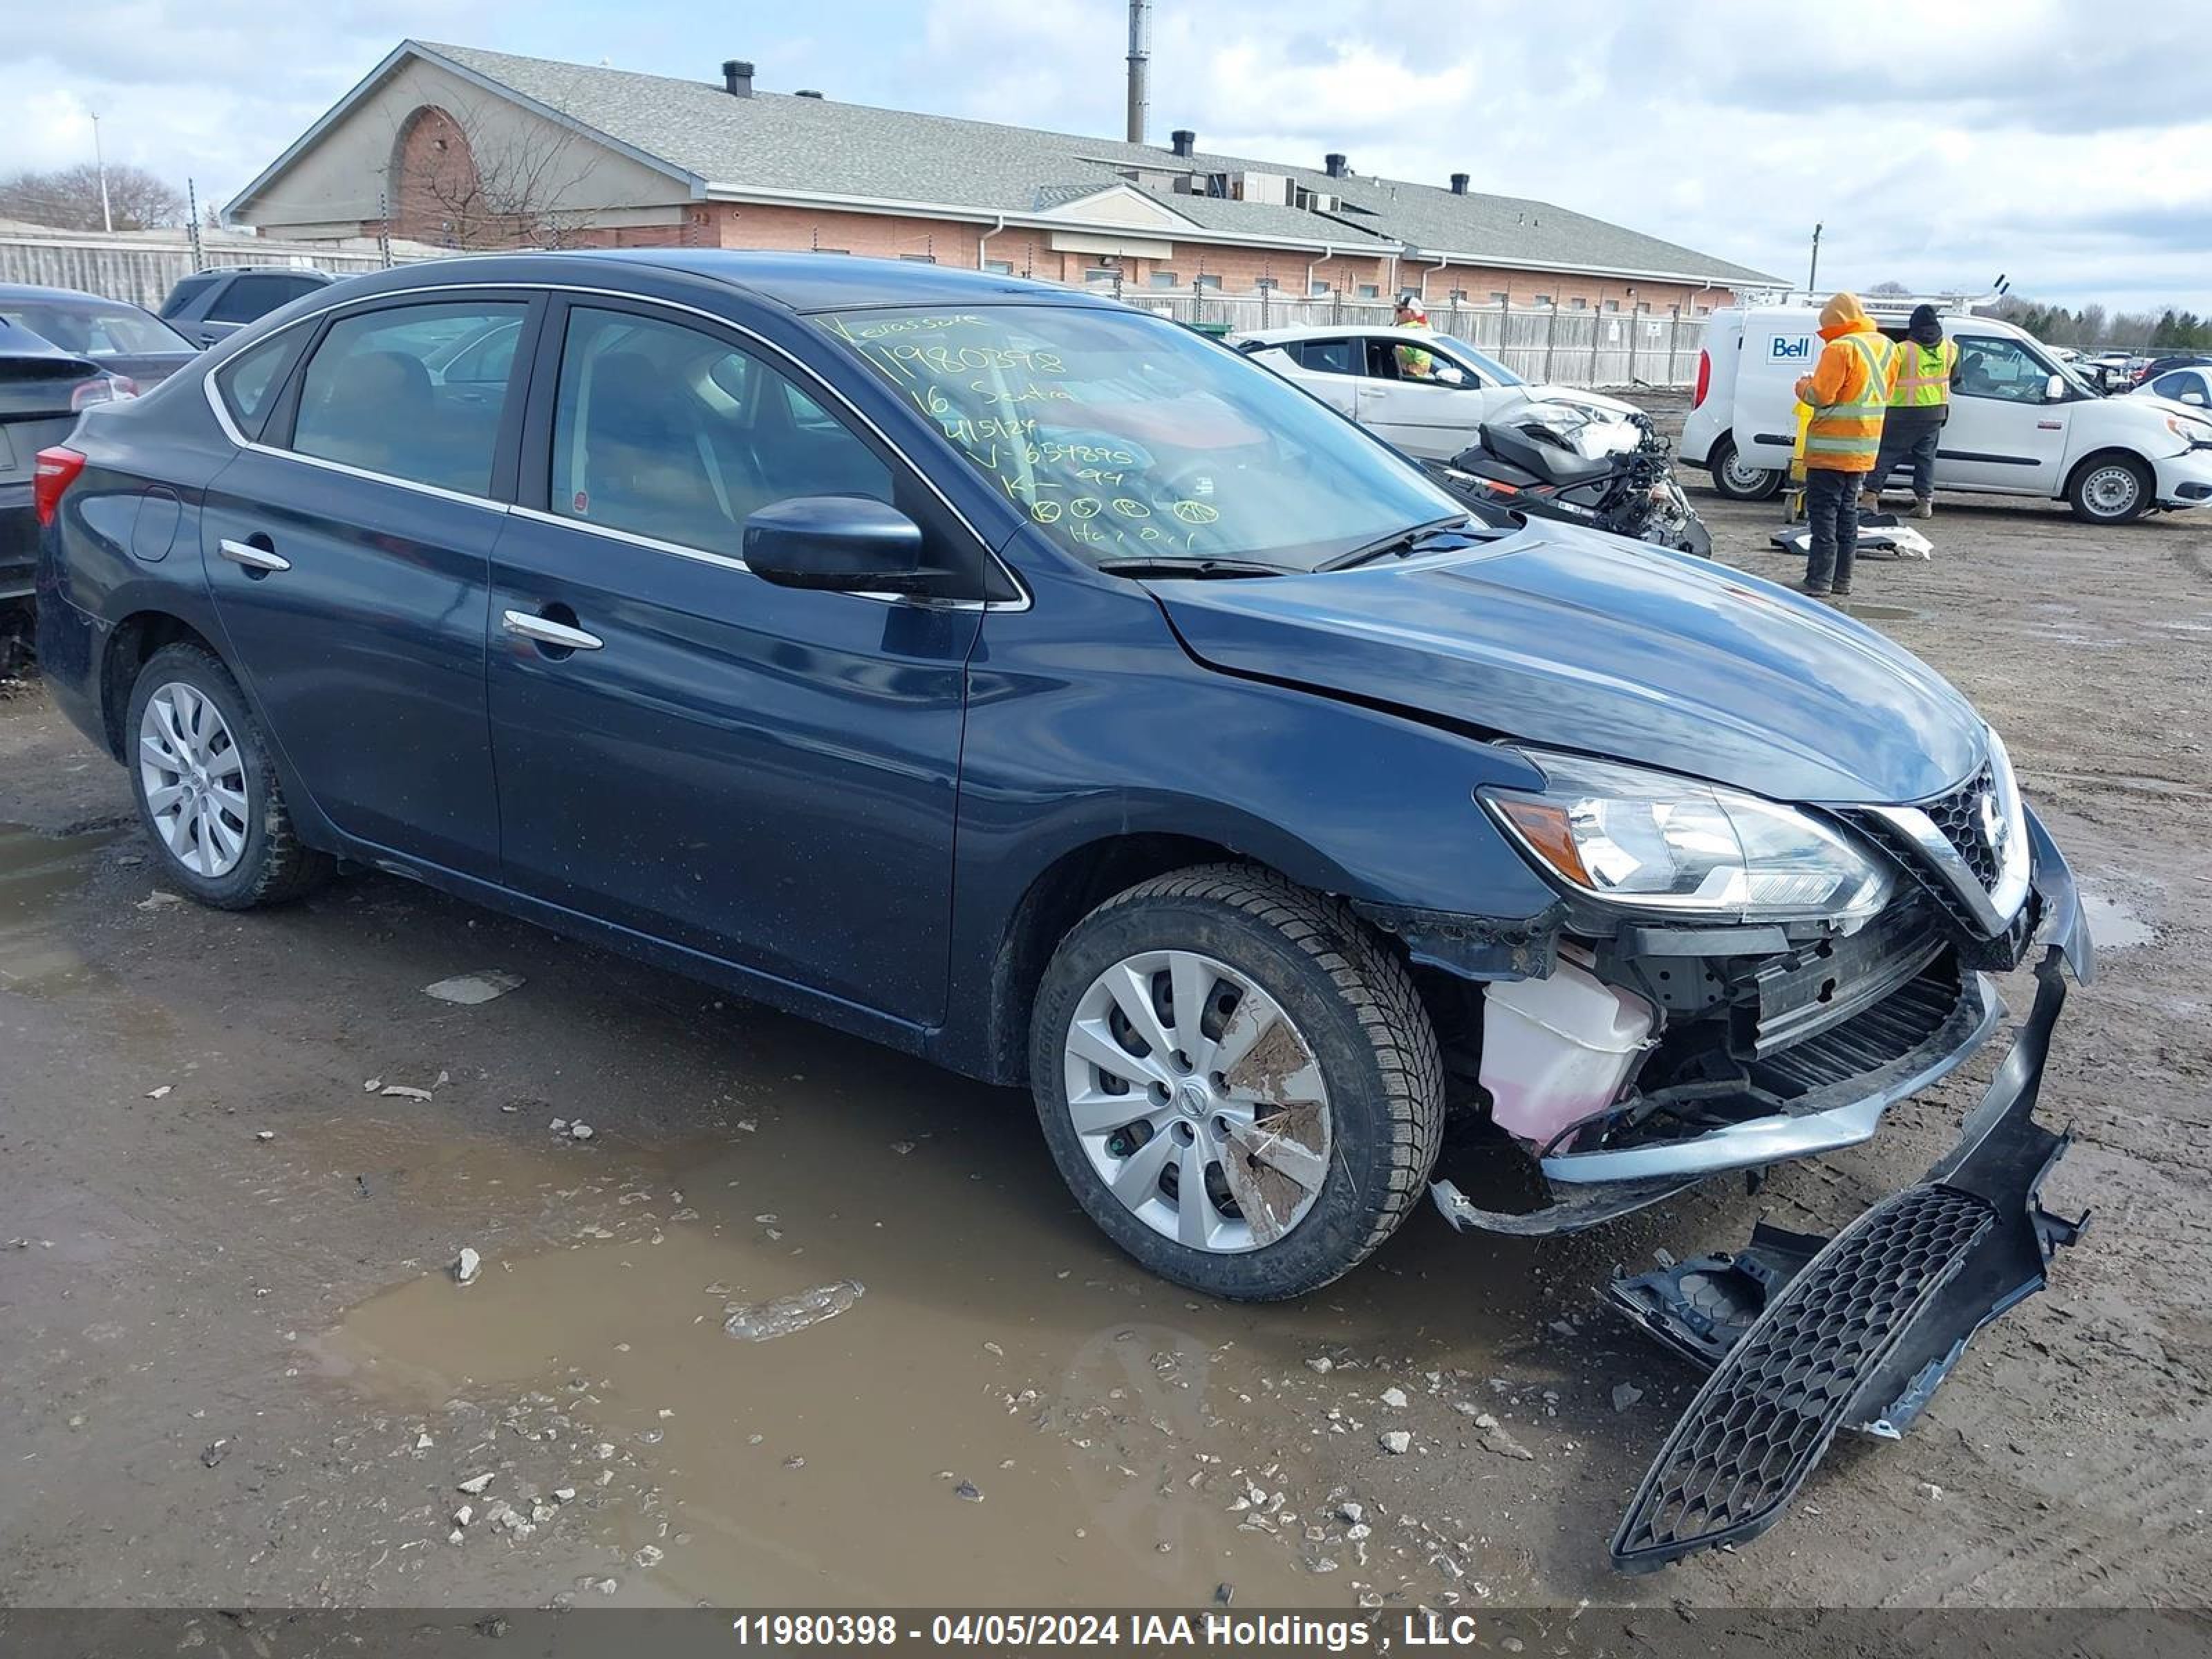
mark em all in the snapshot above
pixel 92 329
pixel 1122 436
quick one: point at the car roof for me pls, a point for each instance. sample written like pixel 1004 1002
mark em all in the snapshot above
pixel 800 282
pixel 1349 330
pixel 263 271
pixel 33 291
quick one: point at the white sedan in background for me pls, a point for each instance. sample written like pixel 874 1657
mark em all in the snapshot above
pixel 1363 372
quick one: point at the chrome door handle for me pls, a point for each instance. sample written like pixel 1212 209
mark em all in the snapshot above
pixel 548 632
pixel 252 557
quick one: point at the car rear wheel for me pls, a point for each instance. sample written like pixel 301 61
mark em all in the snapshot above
pixel 1737 478
pixel 207 791
pixel 2110 490
pixel 1239 1085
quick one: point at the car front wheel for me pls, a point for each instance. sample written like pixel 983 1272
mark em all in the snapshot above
pixel 207 791
pixel 2110 490
pixel 1239 1085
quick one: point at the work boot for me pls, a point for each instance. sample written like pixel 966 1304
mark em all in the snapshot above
pixel 1812 591
pixel 1870 501
pixel 1841 590
pixel 1924 506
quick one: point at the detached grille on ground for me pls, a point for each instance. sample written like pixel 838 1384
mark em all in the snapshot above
pixel 1766 1415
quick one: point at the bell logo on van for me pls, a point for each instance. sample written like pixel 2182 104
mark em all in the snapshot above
pixel 1782 351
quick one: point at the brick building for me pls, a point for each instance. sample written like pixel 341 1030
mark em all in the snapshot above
pixel 455 146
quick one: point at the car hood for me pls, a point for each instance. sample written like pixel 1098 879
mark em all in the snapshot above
pixel 1568 394
pixel 1567 638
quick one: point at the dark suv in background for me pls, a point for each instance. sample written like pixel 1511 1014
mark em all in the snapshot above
pixel 208 305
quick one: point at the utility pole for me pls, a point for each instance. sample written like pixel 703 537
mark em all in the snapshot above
pixel 1141 57
pixel 192 205
pixel 1812 276
pixel 100 165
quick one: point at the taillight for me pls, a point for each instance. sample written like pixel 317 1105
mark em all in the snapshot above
pixel 57 470
pixel 101 389
pixel 1704 379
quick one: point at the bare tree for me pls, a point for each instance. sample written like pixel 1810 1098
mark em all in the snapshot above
pixel 494 178
pixel 1892 287
pixel 69 198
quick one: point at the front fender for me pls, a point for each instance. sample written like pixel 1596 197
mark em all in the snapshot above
pixel 1088 721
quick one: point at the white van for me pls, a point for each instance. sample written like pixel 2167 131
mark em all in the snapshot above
pixel 2021 422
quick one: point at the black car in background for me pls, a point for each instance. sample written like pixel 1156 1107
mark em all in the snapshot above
pixel 210 305
pixel 43 389
pixel 119 338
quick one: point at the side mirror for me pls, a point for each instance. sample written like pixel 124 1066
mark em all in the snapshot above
pixel 2197 397
pixel 1450 374
pixel 2054 389
pixel 838 544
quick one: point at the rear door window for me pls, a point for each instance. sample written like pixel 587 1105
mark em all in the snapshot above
pixel 371 398
pixel 248 383
pixel 1326 356
pixel 663 430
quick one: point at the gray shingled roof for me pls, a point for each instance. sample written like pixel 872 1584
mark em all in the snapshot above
pixel 777 142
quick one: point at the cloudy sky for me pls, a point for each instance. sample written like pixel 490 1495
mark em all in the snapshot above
pixel 2066 144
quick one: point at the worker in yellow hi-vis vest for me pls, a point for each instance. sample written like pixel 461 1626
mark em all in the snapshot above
pixel 1849 392
pixel 1919 403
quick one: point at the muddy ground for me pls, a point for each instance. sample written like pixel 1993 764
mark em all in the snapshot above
pixel 233 1367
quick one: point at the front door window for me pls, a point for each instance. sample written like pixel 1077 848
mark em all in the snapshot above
pixel 2000 369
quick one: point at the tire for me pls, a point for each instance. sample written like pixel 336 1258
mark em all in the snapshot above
pixel 248 855
pixel 1738 480
pixel 2110 490
pixel 1338 1178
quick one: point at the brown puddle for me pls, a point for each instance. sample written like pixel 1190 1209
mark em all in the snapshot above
pixel 36 873
pixel 996 1343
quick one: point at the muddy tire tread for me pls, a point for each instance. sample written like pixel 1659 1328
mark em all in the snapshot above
pixel 1378 989
pixel 288 869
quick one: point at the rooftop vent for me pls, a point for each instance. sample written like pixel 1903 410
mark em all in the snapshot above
pixel 1185 142
pixel 1335 164
pixel 738 77
pixel 1459 184
pixel 806 92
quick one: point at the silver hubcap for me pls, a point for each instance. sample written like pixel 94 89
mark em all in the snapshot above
pixel 1198 1101
pixel 194 777
pixel 2110 491
pixel 1742 475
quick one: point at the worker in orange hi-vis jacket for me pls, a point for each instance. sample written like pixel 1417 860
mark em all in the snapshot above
pixel 1849 394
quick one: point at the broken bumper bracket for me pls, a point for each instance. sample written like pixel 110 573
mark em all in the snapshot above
pixel 1805 1336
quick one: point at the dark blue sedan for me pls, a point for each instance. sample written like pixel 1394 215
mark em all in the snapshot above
pixel 1018 679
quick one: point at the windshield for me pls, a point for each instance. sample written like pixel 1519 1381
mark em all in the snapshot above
pixel 94 330
pixel 1123 435
pixel 1490 365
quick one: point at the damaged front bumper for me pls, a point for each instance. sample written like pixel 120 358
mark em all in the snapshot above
pixel 1804 1335
pixel 1838 1082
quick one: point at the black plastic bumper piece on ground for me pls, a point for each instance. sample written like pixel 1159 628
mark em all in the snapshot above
pixel 1861 1332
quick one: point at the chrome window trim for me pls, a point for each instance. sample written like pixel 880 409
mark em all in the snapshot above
pixel 1993 908
pixel 1021 600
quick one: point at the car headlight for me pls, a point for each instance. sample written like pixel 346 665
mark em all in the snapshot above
pixel 2188 430
pixel 1650 840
